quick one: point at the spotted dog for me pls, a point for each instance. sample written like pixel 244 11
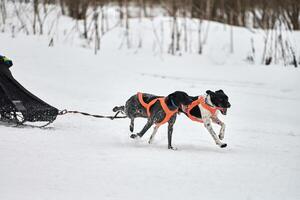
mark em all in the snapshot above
pixel 157 109
pixel 204 109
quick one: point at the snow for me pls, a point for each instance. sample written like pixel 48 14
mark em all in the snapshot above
pixel 80 157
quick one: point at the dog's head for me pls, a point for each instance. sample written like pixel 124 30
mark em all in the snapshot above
pixel 180 99
pixel 219 99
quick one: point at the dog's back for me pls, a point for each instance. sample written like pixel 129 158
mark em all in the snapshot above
pixel 133 107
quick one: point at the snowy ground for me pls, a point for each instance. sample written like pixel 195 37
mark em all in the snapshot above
pixel 87 158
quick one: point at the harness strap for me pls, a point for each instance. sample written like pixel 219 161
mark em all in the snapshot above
pixel 169 113
pixel 147 106
pixel 201 101
pixel 190 107
pixel 63 112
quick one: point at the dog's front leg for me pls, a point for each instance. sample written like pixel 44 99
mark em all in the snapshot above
pixel 144 130
pixel 208 126
pixel 131 127
pixel 216 120
pixel 170 132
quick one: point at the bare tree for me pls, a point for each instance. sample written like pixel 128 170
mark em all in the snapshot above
pixel 175 34
pixel 96 29
pixel 17 12
pixel 3 11
pixel 189 22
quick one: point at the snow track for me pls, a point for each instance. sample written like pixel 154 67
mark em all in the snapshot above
pixel 86 158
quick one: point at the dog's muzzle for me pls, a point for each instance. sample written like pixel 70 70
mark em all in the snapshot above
pixel 223 111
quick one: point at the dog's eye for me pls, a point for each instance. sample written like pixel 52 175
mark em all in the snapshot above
pixel 222 101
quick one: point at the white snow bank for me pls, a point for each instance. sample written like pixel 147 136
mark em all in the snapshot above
pixel 87 158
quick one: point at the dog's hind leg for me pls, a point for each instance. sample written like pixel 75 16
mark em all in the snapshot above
pixel 144 130
pixel 131 127
pixel 153 134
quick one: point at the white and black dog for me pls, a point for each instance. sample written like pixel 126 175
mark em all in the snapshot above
pixel 204 110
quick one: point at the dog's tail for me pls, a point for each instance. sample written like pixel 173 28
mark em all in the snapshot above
pixel 119 109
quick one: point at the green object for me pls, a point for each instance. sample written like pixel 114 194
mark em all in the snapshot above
pixel 7 62
pixel 5 59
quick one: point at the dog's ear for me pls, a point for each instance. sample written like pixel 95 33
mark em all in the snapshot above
pixel 220 91
pixel 209 92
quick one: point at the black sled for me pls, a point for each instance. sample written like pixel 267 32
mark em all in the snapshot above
pixel 18 105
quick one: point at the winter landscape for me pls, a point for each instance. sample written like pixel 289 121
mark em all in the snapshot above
pixel 85 158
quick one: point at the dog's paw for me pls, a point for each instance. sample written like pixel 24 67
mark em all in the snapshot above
pixel 172 148
pixel 223 145
pixel 131 128
pixel 135 136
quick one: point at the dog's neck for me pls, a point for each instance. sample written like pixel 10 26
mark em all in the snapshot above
pixel 208 101
pixel 170 103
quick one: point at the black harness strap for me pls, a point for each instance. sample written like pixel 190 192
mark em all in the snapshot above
pixel 63 112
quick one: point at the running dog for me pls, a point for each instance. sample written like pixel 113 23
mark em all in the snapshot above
pixel 204 109
pixel 157 109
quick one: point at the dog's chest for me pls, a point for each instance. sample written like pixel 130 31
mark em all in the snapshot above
pixel 205 114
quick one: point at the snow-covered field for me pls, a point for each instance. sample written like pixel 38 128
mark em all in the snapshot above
pixel 86 158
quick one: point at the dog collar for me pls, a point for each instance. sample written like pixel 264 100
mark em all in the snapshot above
pixel 172 103
pixel 213 106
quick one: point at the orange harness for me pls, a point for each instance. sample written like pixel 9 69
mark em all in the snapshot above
pixel 169 113
pixel 201 101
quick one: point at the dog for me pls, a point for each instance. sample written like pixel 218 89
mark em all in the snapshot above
pixel 157 109
pixel 204 109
